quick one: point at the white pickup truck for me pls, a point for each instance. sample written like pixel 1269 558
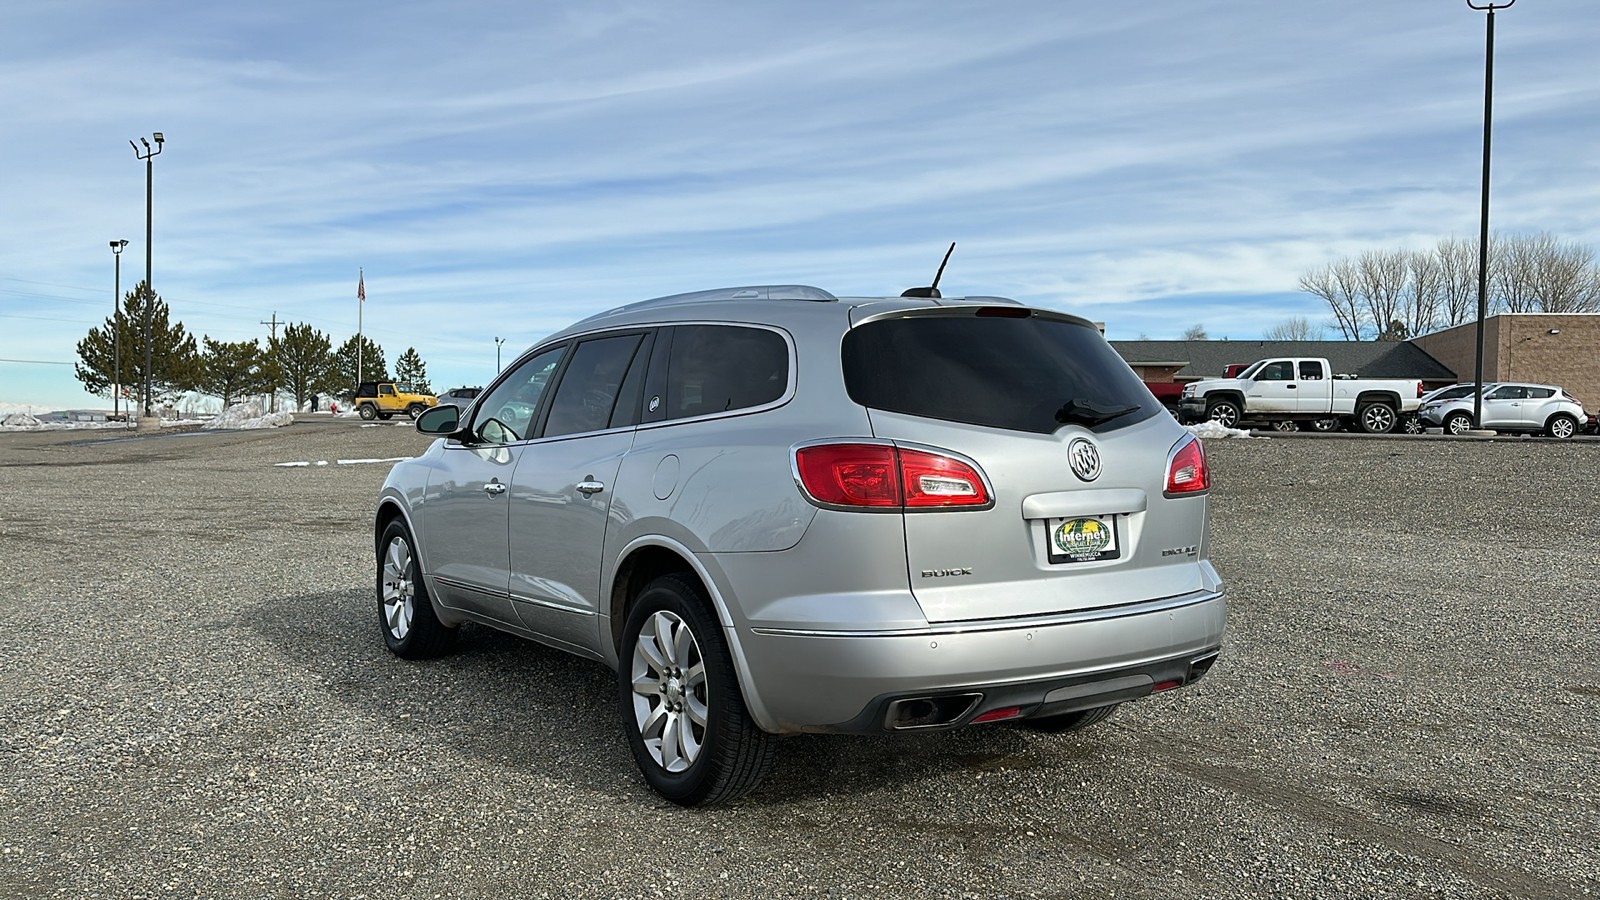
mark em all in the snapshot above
pixel 1289 390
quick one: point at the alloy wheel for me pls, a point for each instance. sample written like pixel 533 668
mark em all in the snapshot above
pixel 670 697
pixel 399 591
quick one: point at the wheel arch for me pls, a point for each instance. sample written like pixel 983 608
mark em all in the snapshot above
pixel 1387 398
pixel 1555 416
pixel 648 558
pixel 1234 397
pixel 391 510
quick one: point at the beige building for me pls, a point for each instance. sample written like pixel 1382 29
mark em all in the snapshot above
pixel 1547 348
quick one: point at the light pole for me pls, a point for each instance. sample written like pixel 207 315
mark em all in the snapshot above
pixel 497 342
pixel 148 155
pixel 116 331
pixel 1483 213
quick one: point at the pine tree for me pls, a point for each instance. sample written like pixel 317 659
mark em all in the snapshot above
pixel 174 358
pixel 410 368
pixel 233 370
pixel 373 368
pixel 303 357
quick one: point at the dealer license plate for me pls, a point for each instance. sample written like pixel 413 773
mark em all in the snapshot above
pixel 1083 539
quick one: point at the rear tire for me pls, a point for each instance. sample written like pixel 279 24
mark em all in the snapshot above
pixel 1072 721
pixel 686 722
pixel 1376 418
pixel 1325 425
pixel 368 412
pixel 1561 427
pixel 1285 425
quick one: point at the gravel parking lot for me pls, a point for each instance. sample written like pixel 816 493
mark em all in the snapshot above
pixel 195 700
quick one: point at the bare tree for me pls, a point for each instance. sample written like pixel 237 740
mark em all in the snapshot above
pixel 1195 333
pixel 1513 266
pixel 1381 276
pixel 1424 285
pixel 1339 285
pixel 1297 328
pixel 1458 280
pixel 1564 277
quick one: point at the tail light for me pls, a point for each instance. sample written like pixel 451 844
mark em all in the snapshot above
pixel 1188 473
pixel 882 476
pixel 1420 391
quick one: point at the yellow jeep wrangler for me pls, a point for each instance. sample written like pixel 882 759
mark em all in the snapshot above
pixel 382 399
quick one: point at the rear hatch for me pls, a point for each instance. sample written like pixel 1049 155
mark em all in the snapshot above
pixel 1020 394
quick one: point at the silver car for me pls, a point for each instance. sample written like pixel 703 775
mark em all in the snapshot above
pixel 771 510
pixel 1510 407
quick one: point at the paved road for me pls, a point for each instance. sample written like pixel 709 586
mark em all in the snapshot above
pixel 194 700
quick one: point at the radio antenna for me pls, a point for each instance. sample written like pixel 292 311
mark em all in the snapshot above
pixel 932 290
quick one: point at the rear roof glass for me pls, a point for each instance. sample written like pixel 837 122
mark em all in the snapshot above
pixel 1024 374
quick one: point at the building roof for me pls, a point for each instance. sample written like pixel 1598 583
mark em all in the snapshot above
pixel 1208 359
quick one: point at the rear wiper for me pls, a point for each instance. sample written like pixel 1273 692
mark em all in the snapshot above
pixel 1083 412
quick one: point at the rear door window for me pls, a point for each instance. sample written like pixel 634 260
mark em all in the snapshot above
pixel 720 368
pixel 1012 369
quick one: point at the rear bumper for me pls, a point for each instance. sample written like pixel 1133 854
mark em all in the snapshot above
pixel 830 681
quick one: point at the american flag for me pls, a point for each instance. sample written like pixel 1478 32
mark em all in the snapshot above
pixel 361 286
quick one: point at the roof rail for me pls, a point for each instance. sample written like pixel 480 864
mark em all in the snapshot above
pixel 749 292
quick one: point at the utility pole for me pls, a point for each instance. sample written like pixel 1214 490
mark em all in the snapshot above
pixel 1483 213
pixel 272 394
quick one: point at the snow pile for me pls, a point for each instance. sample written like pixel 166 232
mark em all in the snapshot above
pixel 249 415
pixel 19 420
pixel 1214 430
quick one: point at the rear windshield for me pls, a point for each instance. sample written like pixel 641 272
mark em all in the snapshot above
pixel 1001 370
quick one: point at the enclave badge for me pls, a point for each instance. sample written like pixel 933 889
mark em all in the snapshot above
pixel 1084 458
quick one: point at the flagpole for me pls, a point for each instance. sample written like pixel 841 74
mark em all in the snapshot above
pixel 361 304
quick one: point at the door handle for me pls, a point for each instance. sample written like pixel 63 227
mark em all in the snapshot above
pixel 494 489
pixel 1290 386
pixel 587 488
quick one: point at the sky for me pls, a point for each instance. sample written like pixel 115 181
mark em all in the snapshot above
pixel 499 170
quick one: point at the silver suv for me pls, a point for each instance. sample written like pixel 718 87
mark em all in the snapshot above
pixel 1510 406
pixel 771 510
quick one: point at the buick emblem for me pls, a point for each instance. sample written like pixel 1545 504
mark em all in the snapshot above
pixel 1084 459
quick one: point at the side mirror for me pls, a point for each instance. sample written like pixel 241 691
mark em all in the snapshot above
pixel 439 420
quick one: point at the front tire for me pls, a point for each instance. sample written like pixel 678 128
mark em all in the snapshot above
pixel 686 722
pixel 415 410
pixel 1224 413
pixel 1413 424
pixel 1285 426
pixel 1328 424
pixel 1457 423
pixel 1377 418
pixel 405 614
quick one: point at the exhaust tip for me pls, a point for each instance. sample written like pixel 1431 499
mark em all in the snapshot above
pixel 1200 666
pixel 912 713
